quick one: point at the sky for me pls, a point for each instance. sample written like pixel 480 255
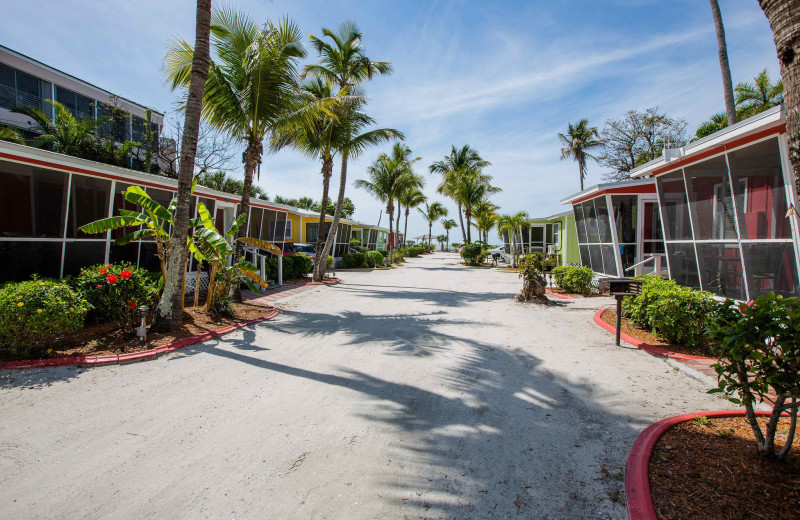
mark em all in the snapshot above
pixel 503 76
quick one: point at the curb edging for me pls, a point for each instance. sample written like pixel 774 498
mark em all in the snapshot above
pixel 334 281
pixel 562 296
pixel 639 501
pixel 132 357
pixel 656 351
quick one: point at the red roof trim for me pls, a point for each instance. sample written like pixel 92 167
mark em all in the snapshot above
pixel 642 188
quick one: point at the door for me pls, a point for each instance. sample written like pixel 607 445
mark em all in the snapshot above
pixel 651 238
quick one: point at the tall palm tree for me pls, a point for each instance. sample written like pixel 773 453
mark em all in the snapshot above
pixel 448 224
pixel 725 68
pixel 577 142
pixel 784 20
pixel 408 200
pixel 432 213
pixel 485 218
pixel 345 65
pixel 460 162
pixel 169 312
pixel 512 224
pixel 762 94
pixel 389 175
pixel 470 190
pixel 252 85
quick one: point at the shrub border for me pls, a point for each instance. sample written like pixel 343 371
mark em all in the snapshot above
pixel 652 349
pixel 118 359
pixel 637 468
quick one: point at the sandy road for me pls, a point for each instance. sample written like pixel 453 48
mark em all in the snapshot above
pixel 424 391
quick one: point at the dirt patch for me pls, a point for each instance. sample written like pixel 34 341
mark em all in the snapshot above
pixel 710 469
pixel 610 316
pixel 106 338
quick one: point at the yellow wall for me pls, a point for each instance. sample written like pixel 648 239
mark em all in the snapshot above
pixel 295 219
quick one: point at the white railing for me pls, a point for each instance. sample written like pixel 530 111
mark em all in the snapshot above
pixel 655 257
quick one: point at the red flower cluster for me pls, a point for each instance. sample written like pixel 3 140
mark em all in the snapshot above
pixel 112 279
pixel 131 305
pixel 125 274
pixel 99 286
pixel 102 270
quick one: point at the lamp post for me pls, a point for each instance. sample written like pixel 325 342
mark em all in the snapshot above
pixel 141 330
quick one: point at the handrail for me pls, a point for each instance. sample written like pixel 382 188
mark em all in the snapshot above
pixel 651 257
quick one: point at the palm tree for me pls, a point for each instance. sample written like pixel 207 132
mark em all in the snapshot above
pixel 441 239
pixel 577 142
pixel 762 94
pixel 408 200
pixel 9 134
pixel 725 68
pixel 470 190
pixel 448 224
pixel 389 175
pixel 485 218
pixel 344 65
pixel 252 85
pixel 220 181
pixel 305 202
pixel 169 313
pixel 432 213
pixel 462 161
pixel 512 224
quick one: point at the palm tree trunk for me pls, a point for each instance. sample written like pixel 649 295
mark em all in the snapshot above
pixel 320 261
pixel 390 211
pixel 252 158
pixel 784 20
pixel 469 224
pixel 338 211
pixel 397 226
pixel 430 227
pixel 725 68
pixel 168 315
pixel 461 221
pixel 405 227
pixel 448 239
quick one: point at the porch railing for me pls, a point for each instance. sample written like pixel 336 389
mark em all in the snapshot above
pixel 655 258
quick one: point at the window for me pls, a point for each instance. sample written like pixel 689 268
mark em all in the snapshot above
pixel 557 234
pixel 288 231
pixel 88 202
pixel 8 87
pixel 711 200
pixel 32 202
pixel 674 206
pixel 596 244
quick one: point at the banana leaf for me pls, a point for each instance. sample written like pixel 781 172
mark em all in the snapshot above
pixel 260 244
pixel 137 195
pixel 205 217
pixel 136 235
pixel 236 225
pixel 107 224
pixel 215 240
pixel 253 275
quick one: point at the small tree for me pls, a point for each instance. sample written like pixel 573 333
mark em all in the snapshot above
pixel 531 267
pixel 758 344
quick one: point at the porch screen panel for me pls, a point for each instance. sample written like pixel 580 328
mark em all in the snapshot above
pixel 720 267
pixel 603 224
pixel 33 202
pixel 585 258
pixel 609 260
pixel 89 198
pixel 82 254
pixel 674 206
pixel 596 258
pixel 759 190
pixel 579 225
pixel 683 264
pixel 22 259
pixel 255 221
pixel 625 211
pixel 771 268
pixel 711 200
pixel 590 221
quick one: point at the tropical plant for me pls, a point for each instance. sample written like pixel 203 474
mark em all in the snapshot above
pixel 390 175
pixel 725 68
pixel 116 291
pixel 758 344
pixel 512 224
pixel 441 239
pixel 574 279
pixel 716 123
pixel 252 85
pixel 534 285
pixel 579 140
pixel 219 180
pixel 485 218
pixel 474 253
pixel 216 249
pixel 409 199
pixel 448 224
pixel 762 94
pixel 461 162
pixel 432 213
pixel 9 134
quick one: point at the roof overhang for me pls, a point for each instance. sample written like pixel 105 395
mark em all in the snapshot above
pixel 632 186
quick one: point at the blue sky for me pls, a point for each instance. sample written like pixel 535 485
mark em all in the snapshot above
pixel 502 76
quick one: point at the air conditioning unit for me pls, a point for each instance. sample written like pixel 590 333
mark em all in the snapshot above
pixel 551 250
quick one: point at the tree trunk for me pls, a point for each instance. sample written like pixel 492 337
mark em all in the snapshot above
pixel 168 314
pixel 461 221
pixel 469 225
pixel 338 211
pixel 784 19
pixel 725 68
pixel 405 227
pixel 320 261
pixel 390 211
pixel 251 159
pixel 397 225
pixel 430 228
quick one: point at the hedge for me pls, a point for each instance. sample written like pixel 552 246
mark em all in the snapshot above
pixel 574 279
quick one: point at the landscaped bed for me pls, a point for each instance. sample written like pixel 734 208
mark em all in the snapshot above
pixel 610 316
pixel 710 469
pixel 108 338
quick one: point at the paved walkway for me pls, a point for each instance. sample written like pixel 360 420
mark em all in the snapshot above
pixel 420 392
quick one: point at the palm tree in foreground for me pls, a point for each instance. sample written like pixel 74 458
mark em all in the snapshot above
pixel 512 224
pixel 448 224
pixel 432 213
pixel 762 94
pixel 389 176
pixel 577 142
pixel 252 85
pixel 461 162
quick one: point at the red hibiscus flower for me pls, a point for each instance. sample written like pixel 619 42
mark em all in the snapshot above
pixel 99 286
pixel 102 270
pixel 132 305
pixel 125 274
pixel 112 279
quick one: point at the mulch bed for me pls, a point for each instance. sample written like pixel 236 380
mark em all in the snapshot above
pixel 712 471
pixel 106 338
pixel 559 290
pixel 610 316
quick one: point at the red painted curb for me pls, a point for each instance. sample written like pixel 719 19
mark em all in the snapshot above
pixel 334 281
pixel 637 479
pixel 562 296
pixel 116 359
pixel 656 351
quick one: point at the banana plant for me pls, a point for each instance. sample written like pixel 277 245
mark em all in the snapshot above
pixel 217 249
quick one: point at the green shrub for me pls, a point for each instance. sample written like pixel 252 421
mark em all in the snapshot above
pixel 294 266
pixel 302 265
pixel 350 260
pixel 329 263
pixel 676 313
pixel 37 311
pixel 354 243
pixel 473 254
pixel 412 251
pixel 758 344
pixel 115 291
pixel 374 258
pixel 574 279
